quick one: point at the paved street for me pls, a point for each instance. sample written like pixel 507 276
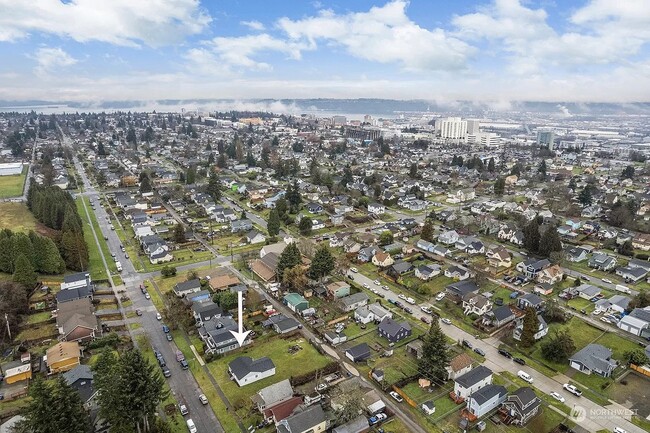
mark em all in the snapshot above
pixel 182 383
pixel 594 420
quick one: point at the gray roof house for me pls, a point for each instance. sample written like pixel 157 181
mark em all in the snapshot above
pixel 354 301
pixel 486 399
pixel 356 425
pixel 522 405
pixel 312 420
pixel 602 262
pixel 637 322
pixel 81 379
pixel 273 394
pixel 393 331
pixel 244 370
pixel 187 287
pixel 358 353
pixel 593 358
pixel 241 226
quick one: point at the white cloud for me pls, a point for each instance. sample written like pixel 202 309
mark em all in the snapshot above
pixel 240 51
pixel 49 59
pixel 253 25
pixel 602 33
pixel 121 22
pixel 383 34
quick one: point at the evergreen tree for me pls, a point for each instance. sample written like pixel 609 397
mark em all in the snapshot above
pixel 179 234
pixel 273 224
pixel 293 194
pixel 628 172
pixel 427 231
pixel 413 171
pixel 386 238
pixel 550 242
pixel 55 407
pixel 24 272
pixel 322 264
pixel 532 236
pixel 190 175
pixel 491 167
pixel 100 148
pixel 499 186
pixel 214 186
pixel 572 184
pixel 305 226
pixel 266 160
pixel 530 327
pixel 289 258
pixel 145 184
pixel 434 354
pixel 558 347
pixel 542 169
pixel 250 159
pixel 22 245
pixel 221 161
pixel 275 142
pixel 585 198
pixel 6 256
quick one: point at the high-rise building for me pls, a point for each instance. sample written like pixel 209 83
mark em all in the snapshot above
pixel 453 128
pixel 545 137
pixel 339 120
pixel 473 126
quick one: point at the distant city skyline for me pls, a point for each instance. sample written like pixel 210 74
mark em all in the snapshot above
pixel 492 50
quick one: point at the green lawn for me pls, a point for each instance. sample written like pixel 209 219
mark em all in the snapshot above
pixel 105 249
pixel 38 317
pixel 17 217
pixel 286 365
pixel 95 263
pixel 12 186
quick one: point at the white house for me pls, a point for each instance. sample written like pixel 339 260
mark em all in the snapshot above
pixel 244 370
pixel 472 381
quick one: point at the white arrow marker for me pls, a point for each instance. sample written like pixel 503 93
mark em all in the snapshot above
pixel 241 335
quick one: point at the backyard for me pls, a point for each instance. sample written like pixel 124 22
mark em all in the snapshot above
pixel 12 186
pixel 16 217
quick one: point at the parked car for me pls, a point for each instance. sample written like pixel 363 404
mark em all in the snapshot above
pixel 519 361
pixel 147 295
pixel 445 321
pixel 203 399
pixel 425 320
pixel 439 296
pixel 184 365
pixel 605 280
pixel 377 283
pixel 398 398
pixel 525 376
pixel 166 372
pixel 377 418
pixel 138 312
pixel 321 387
pixel 183 409
pixel 165 329
pixel 401 296
pixel 479 351
pixel 158 316
pixel 425 309
pixel 169 337
pixel 556 396
pixel 505 353
pixel 355 270
pixel 366 286
pixel 467 344
pixel 572 389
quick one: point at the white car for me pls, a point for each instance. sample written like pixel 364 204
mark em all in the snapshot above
pixel 183 409
pixel 321 387
pixel 398 398
pixel 572 389
pixel 425 309
pixel 401 296
pixel 377 282
pixel 605 280
pixel 158 316
pixel 384 287
pixel 619 430
pixel 203 399
pixel 366 286
pixel 525 376
pixel 147 295
pixel 556 396
pixel 354 270
pixel 440 296
pixel 445 321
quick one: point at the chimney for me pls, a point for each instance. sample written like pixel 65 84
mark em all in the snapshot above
pixel 87 280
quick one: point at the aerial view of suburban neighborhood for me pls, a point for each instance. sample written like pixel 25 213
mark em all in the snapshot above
pixel 311 265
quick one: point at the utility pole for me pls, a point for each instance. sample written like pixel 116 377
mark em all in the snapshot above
pixel 8 329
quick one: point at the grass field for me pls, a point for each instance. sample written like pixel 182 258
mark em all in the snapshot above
pixel 286 365
pixel 12 186
pixel 17 217
pixel 95 263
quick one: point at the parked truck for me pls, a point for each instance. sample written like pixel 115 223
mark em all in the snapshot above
pixel 623 289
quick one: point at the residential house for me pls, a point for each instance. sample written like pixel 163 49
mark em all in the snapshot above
pixel 472 381
pixel 296 302
pixel 449 237
pixel 358 353
pixel 542 328
pixel 499 316
pixel 75 286
pixel 371 313
pixel 382 259
pixel 457 272
pixel 265 268
pixel 498 257
pixel 272 395
pixel 288 324
pixel 217 336
pixel 63 356
pixel 641 241
pixel 637 322
pixel 205 311
pixel 239 226
pixel 616 303
pixel 426 272
pixel 354 301
pixel 393 331
pixel 530 300
pixel 223 282
pixel 255 237
pixel 338 289
pixel 400 268
pixel 355 425
pixel 376 208
pixel 543 289
pixel 587 291
pixel 366 254
pixel 486 399
pixel 531 267
pixel 81 379
pixel 76 321
pixel 593 358
pixel 476 304
pixel 335 338
pixel 311 420
pixel 317 224
pixel 576 254
pixel 314 208
pixel 244 370
pixel 457 291
pixel 18 373
pixel 551 275
pixel 632 274
pixel 459 365
pixel 602 262
pixel 185 288
pixel 441 251
pixel 521 406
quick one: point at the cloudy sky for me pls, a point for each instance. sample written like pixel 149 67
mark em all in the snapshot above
pixel 491 50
